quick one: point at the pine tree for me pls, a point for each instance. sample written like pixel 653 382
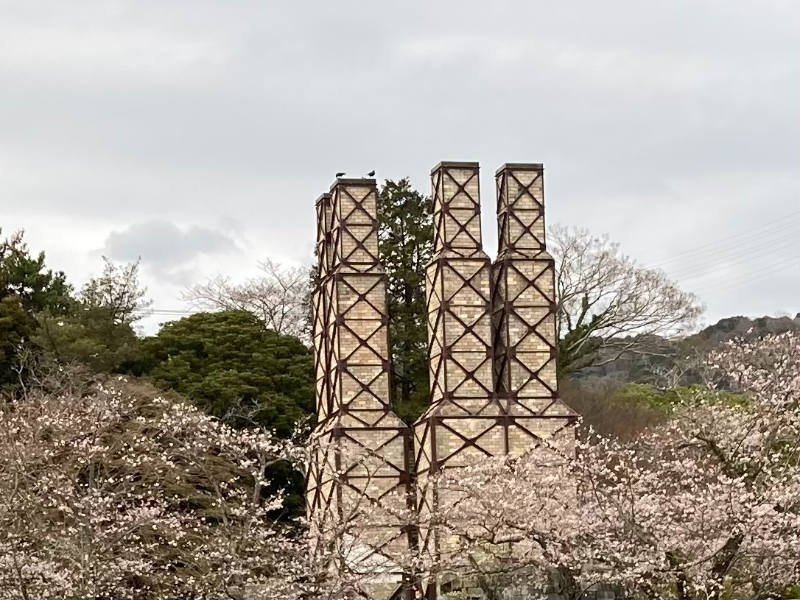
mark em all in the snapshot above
pixel 27 288
pixel 233 367
pixel 98 329
pixel 25 277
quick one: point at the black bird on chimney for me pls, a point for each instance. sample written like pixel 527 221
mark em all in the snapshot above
pixel 340 175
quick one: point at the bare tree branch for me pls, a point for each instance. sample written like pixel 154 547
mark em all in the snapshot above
pixel 277 297
pixel 608 304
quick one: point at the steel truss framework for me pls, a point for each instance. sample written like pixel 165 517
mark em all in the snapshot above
pixel 524 310
pixel 361 449
pixel 492 346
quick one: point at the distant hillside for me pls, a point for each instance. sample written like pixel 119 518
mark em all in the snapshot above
pixel 731 327
pixel 665 354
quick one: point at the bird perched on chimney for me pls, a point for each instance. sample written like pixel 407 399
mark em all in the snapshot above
pixel 340 175
pixel 371 173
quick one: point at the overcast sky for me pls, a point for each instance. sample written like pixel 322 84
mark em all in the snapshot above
pixel 198 133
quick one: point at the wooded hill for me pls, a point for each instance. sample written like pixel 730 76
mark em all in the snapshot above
pixel 665 355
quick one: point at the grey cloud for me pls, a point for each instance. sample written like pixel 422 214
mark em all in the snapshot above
pixel 166 247
pixel 667 125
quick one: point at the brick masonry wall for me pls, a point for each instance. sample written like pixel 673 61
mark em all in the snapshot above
pixel 361 447
pixel 492 332
pixel 461 424
pixel 492 347
pixel 524 310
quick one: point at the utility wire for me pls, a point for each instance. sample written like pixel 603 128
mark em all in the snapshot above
pixel 787 221
pixel 746 255
pixel 745 279
pixel 742 250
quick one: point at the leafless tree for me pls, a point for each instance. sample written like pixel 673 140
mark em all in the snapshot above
pixel 610 305
pixel 278 297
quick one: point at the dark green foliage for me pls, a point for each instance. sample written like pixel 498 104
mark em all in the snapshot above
pixel 86 336
pixel 97 329
pixel 406 241
pixel 15 330
pixel 793 591
pixel 314 280
pixel 667 399
pixel 26 288
pixel 575 351
pixel 25 277
pixel 285 476
pixel 234 368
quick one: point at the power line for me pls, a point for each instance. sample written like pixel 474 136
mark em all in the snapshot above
pixel 745 278
pixel 787 221
pixel 742 249
pixel 700 269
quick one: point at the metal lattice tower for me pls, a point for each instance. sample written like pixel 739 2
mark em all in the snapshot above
pixel 362 448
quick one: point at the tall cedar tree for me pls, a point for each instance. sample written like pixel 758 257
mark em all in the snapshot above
pixel 406 243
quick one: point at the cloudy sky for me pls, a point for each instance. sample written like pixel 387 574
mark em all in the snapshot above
pixel 198 133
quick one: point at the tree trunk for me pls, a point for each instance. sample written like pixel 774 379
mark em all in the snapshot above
pixel 565 584
pixel 680 576
pixel 723 562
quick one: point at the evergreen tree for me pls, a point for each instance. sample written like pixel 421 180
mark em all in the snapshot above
pixel 15 330
pixel 406 239
pixel 24 277
pixel 233 367
pixel 98 329
pixel 26 288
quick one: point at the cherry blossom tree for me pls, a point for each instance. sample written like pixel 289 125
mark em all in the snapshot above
pixel 109 490
pixel 703 506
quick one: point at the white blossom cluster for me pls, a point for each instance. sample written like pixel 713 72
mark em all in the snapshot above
pixel 112 492
pixel 705 506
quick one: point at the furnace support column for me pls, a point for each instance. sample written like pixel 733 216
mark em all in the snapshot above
pixel 362 447
pixel 524 312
